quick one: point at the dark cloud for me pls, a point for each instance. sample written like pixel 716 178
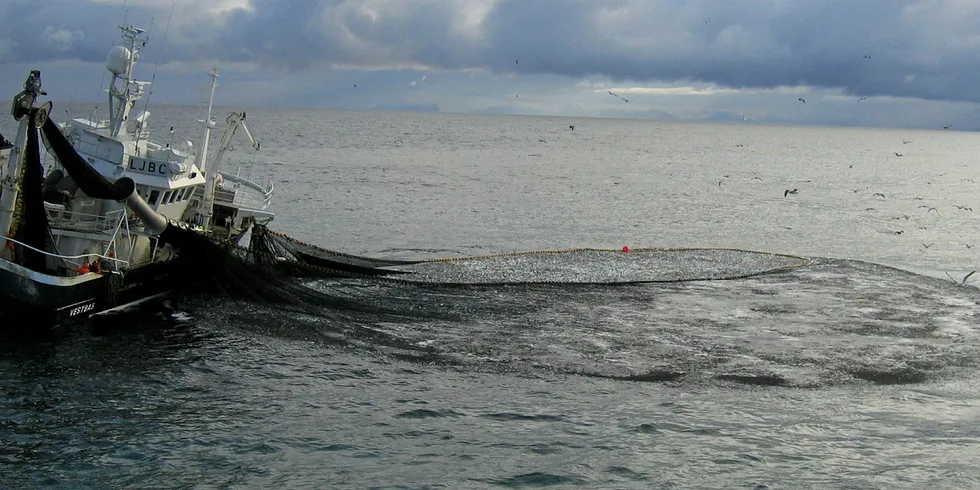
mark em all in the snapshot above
pixel 26 27
pixel 913 48
pixel 303 33
pixel 866 47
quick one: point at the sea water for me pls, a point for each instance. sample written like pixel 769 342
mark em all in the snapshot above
pixel 858 370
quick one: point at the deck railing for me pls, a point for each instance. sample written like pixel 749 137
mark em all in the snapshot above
pixel 245 192
pixel 109 224
pixel 70 259
pixel 59 217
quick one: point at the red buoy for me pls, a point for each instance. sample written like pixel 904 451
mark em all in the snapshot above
pixel 625 249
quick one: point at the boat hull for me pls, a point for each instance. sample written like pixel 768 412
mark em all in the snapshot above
pixel 32 300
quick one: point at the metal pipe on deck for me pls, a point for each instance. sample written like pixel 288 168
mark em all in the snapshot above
pixel 154 222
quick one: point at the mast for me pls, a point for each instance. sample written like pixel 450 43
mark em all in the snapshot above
pixel 234 120
pixel 124 90
pixel 202 161
pixel 206 207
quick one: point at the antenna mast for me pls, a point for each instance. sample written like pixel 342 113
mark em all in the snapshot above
pixel 202 161
pixel 124 90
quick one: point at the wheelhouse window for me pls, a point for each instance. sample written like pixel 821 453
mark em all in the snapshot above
pixel 154 195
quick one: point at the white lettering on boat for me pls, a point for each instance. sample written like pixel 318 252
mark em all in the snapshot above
pixel 148 166
pixel 78 310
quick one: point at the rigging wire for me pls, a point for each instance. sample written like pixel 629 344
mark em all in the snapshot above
pixel 71 104
pixel 146 102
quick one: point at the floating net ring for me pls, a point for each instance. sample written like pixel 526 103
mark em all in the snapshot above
pixel 601 266
pixel 571 266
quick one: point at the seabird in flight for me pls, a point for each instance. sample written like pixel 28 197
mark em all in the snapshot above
pixel 963 282
pixel 617 95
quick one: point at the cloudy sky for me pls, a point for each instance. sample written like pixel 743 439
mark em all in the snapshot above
pixel 904 63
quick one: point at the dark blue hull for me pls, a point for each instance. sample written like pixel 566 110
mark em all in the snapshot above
pixel 31 301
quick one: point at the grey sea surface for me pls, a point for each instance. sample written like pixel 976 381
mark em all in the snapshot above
pixel 849 361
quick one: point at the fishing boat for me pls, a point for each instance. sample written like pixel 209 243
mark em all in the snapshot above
pixel 85 206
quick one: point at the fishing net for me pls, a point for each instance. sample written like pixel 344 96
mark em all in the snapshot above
pixel 578 266
pixel 32 227
pixel 600 266
pixel 237 272
pixel 277 269
pixel 393 305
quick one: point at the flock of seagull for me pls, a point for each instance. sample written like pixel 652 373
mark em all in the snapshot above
pixel 803 101
pixel 799 99
pixel 928 209
pixel 795 191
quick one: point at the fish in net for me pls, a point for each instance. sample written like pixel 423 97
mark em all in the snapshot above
pixel 576 266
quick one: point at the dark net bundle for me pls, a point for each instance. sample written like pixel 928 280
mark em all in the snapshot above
pixel 339 275
pixel 304 258
pixel 32 227
pixel 260 275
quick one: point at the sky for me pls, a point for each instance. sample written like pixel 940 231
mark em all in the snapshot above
pixel 885 63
